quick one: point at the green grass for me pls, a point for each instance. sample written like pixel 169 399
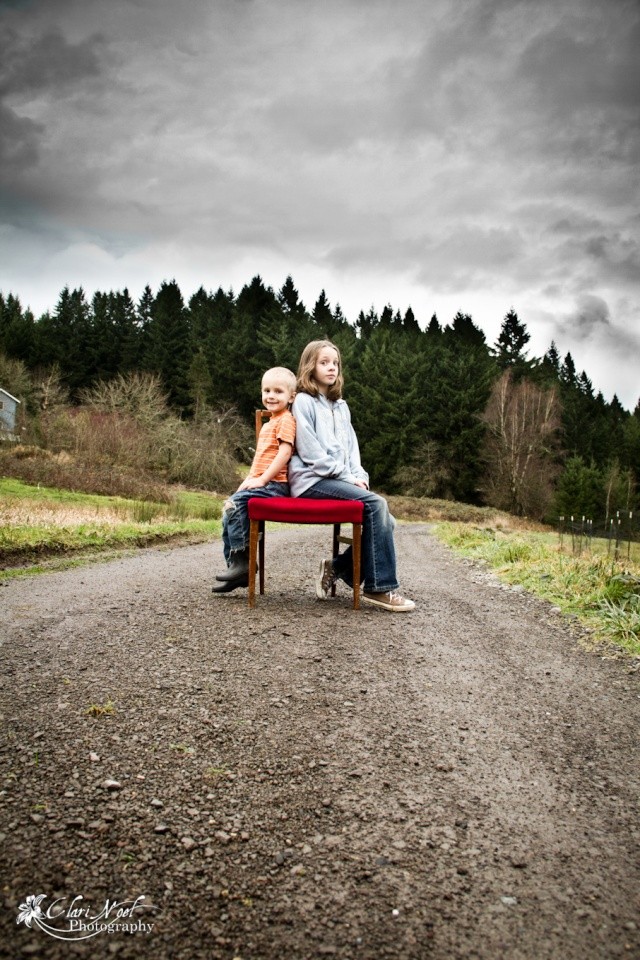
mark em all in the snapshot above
pixel 38 522
pixel 185 504
pixel 601 592
pixel 18 490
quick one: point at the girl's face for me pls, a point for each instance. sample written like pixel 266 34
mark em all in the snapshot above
pixel 326 369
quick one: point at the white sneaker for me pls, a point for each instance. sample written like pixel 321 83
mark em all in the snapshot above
pixel 389 601
pixel 325 579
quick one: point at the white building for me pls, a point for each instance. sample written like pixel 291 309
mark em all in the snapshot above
pixel 8 411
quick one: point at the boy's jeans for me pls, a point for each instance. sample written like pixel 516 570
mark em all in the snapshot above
pixel 235 516
pixel 378 549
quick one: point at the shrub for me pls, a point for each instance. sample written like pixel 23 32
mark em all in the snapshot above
pixel 124 440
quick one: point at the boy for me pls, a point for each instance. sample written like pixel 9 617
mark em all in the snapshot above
pixel 267 476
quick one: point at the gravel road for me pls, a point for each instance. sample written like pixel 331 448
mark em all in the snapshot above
pixel 304 780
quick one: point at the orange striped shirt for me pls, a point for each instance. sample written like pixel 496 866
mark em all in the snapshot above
pixel 277 430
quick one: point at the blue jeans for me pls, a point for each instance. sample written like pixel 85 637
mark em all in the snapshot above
pixel 235 516
pixel 378 548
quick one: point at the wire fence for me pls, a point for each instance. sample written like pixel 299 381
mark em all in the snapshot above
pixel 618 537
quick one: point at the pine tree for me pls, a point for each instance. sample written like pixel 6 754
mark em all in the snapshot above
pixel 366 324
pixel 104 347
pixel 549 369
pixel 17 331
pixel 128 332
pixel 144 318
pixel 169 342
pixel 434 329
pixel 386 317
pixel 509 348
pixel 218 337
pixel 409 324
pixel 283 341
pixel 64 339
pixel 455 380
pixel 383 404
pixel 199 307
pixel 464 330
pixel 322 316
pixel 290 302
pixel 340 322
pixel 580 491
pixel 568 371
pixel 246 355
pixel 630 450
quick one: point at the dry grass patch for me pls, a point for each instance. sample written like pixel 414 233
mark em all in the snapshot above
pixel 17 513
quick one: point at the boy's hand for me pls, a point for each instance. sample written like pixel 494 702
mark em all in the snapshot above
pixel 250 483
pixel 360 483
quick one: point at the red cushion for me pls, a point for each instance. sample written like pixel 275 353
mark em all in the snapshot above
pixel 300 510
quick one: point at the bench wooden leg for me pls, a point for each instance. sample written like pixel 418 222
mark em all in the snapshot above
pixel 357 559
pixel 336 550
pixel 261 540
pixel 254 532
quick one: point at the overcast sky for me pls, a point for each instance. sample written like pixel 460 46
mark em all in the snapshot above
pixel 447 155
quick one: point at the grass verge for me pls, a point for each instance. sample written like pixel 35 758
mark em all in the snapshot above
pixel 41 522
pixel 603 594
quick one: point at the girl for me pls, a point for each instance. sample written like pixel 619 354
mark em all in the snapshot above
pixel 326 465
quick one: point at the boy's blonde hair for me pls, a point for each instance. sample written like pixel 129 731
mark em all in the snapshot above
pixel 283 375
pixel 307 366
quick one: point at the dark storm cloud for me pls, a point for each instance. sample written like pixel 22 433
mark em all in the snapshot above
pixel 15 4
pixel 47 64
pixel 604 251
pixel 574 70
pixel 591 316
pixel 18 141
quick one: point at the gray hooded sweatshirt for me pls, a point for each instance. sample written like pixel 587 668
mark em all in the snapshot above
pixel 326 444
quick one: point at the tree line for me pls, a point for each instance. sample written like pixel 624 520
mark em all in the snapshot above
pixel 439 412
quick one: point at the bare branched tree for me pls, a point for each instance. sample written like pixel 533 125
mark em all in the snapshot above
pixel 140 395
pixel 522 421
pixel 50 391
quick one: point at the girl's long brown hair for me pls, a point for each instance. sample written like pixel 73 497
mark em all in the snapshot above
pixel 306 381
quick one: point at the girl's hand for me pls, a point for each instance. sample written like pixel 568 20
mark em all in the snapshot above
pixel 360 483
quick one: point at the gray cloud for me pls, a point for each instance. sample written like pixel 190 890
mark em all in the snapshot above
pixel 18 141
pixel 612 350
pixel 32 67
pixel 592 314
pixel 46 62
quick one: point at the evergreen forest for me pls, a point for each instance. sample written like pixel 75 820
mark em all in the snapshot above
pixel 438 411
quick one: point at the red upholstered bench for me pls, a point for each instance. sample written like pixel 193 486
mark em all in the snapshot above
pixel 299 510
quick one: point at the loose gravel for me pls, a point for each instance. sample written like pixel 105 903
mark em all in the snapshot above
pixel 304 780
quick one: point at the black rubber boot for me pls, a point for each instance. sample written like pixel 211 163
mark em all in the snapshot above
pixel 239 566
pixel 226 586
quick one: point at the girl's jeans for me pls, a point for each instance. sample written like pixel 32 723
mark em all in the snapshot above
pixel 378 549
pixel 235 516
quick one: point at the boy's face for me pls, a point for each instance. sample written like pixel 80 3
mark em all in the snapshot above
pixel 276 395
